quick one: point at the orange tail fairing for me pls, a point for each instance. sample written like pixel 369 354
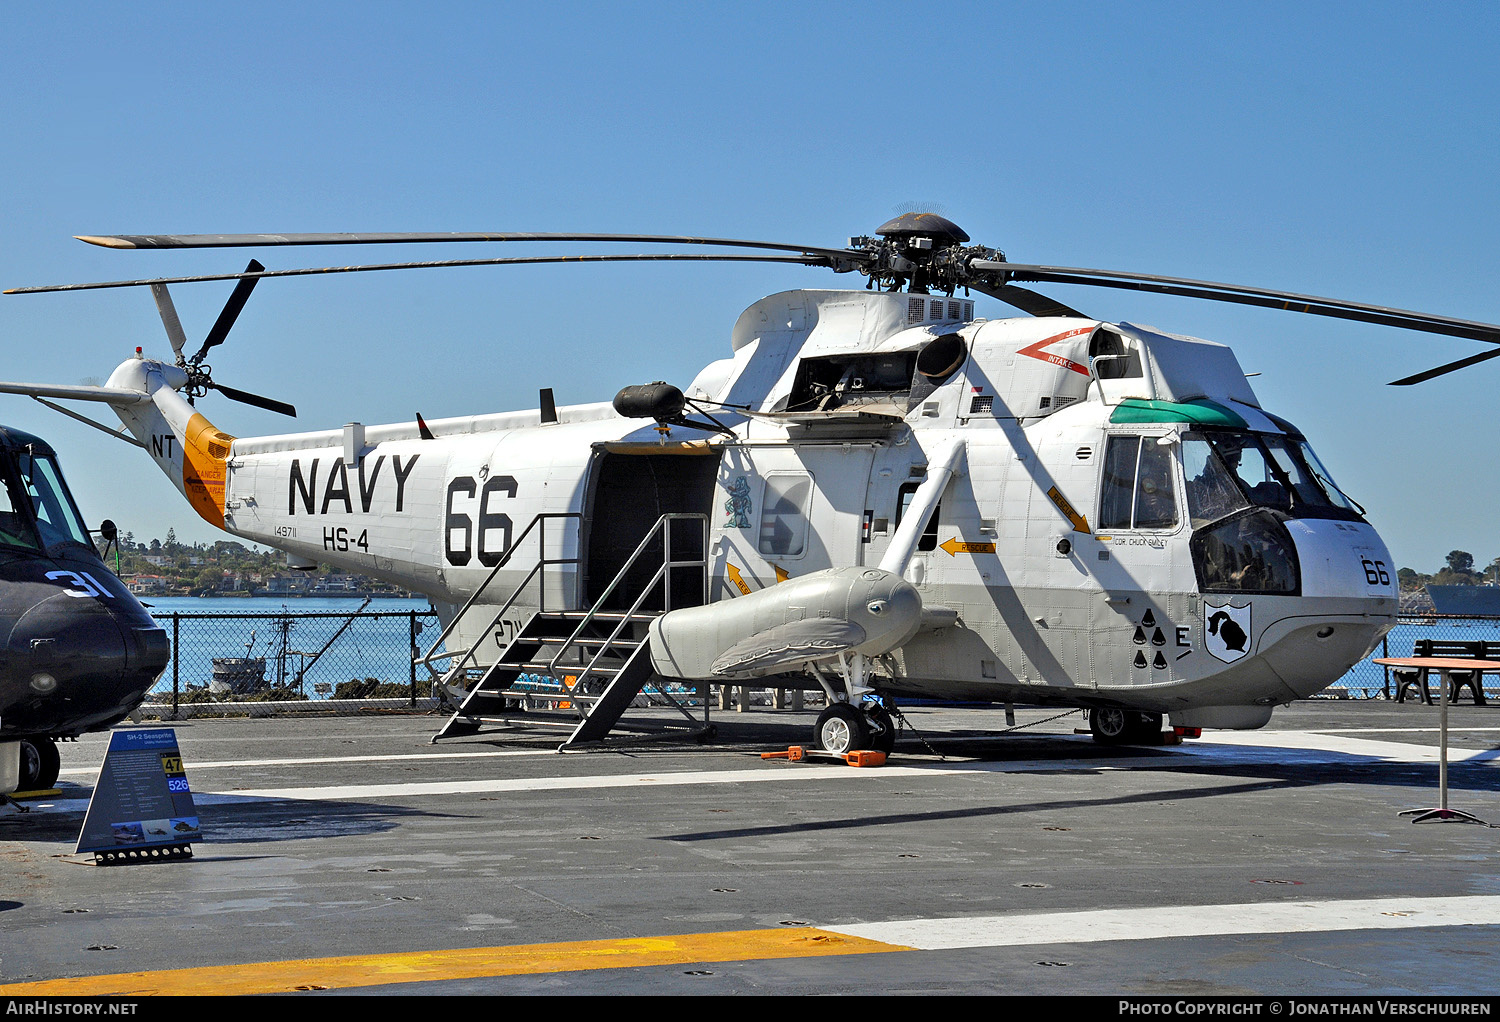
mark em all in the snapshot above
pixel 205 449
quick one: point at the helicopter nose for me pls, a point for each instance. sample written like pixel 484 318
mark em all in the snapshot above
pixel 80 664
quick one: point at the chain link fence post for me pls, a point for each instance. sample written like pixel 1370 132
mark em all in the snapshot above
pixel 176 647
pixel 412 631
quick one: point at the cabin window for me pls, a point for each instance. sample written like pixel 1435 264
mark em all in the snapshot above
pixel 929 534
pixel 1137 492
pixel 783 516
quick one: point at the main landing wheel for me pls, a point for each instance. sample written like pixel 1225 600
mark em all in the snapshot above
pixel 882 730
pixel 1124 727
pixel 40 764
pixel 841 728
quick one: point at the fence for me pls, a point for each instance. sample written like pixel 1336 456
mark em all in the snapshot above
pixel 1367 680
pixel 334 662
pixel 266 663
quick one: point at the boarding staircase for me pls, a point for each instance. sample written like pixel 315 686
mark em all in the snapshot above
pixel 573 670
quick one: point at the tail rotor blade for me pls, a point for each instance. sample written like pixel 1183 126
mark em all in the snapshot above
pixel 245 397
pixel 237 299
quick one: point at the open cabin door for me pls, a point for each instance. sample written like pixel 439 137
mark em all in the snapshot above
pixel 783 511
pixel 630 487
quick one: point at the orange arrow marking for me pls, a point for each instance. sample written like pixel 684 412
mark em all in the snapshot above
pixel 1080 523
pixel 737 579
pixel 955 546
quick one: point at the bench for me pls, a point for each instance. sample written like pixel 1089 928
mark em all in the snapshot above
pixel 1477 649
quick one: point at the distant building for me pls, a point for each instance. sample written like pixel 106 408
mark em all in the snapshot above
pixel 145 585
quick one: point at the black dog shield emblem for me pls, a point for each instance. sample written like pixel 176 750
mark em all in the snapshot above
pixel 1226 631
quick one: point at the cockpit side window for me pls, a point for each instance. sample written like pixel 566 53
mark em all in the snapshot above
pixel 1137 491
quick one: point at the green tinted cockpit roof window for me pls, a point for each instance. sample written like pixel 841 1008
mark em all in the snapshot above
pixel 1198 413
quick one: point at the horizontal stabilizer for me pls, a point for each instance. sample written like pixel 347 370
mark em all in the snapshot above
pixel 79 392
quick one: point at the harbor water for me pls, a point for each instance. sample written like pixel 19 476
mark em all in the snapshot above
pixel 316 646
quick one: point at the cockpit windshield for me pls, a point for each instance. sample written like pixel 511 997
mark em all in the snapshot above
pixel 1228 471
pixel 36 510
pixel 57 518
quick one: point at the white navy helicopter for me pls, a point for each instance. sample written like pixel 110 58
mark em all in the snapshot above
pixel 874 493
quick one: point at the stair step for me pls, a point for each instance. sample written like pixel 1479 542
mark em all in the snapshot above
pixel 531 717
pixel 519 693
pixel 562 640
pixel 603 615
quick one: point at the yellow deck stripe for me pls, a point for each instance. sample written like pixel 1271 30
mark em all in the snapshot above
pixel 460 963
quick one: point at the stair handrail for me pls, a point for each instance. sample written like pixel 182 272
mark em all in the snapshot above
pixel 537 522
pixel 663 525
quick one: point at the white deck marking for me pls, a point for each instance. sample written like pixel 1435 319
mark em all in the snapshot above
pixel 1317 746
pixel 1179 921
pixel 93 771
pixel 1224 748
pixel 590 782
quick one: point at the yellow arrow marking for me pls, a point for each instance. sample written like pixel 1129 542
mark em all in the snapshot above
pixel 781 573
pixel 1080 523
pixel 955 546
pixel 737 579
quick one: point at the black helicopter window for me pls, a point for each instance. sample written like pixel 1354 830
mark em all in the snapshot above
pixel 1137 492
pixel 930 531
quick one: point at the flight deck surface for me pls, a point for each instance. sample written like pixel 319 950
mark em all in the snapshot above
pixel 350 855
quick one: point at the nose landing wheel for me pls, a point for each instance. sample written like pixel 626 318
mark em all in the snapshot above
pixel 40 764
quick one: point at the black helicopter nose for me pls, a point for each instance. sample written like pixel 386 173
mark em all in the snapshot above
pixel 76 663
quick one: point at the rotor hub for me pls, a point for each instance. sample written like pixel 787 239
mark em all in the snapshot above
pixel 923 251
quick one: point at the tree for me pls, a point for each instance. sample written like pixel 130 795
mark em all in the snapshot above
pixel 1460 562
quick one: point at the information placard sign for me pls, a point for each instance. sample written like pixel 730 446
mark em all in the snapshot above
pixel 142 807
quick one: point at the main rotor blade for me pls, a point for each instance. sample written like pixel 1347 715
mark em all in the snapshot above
pixel 808 260
pixel 1442 370
pixel 417 238
pixel 1237 294
pixel 1029 301
pixel 169 319
pixel 244 396
pixel 231 312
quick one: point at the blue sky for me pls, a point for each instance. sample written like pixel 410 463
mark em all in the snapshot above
pixel 1337 149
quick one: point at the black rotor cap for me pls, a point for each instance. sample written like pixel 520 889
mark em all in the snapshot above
pixel 928 225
